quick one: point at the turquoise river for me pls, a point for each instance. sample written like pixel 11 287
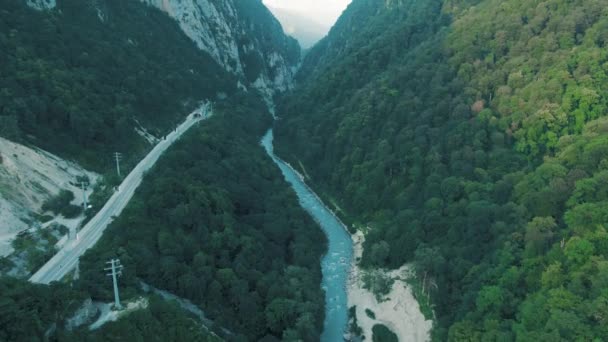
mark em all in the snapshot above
pixel 336 263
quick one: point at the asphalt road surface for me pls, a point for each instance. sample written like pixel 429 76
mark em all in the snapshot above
pixel 67 258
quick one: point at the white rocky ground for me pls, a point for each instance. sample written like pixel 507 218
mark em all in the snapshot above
pixel 41 4
pixel 29 176
pixel 400 312
pixel 110 315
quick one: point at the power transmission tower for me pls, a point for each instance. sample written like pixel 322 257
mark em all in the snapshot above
pixel 115 271
pixel 118 157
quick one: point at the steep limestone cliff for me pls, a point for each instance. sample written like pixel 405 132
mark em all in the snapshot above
pixel 42 4
pixel 242 36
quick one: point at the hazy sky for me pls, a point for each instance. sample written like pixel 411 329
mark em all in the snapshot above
pixel 322 11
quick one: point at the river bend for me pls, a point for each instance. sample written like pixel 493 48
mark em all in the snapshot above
pixel 336 264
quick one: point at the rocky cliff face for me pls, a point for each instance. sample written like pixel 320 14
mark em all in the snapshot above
pixel 28 177
pixel 242 36
pixel 41 4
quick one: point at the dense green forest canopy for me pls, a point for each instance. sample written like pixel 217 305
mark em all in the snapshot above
pixel 31 312
pixel 27 311
pixel 78 79
pixel 216 223
pixel 161 321
pixel 470 135
pixel 213 222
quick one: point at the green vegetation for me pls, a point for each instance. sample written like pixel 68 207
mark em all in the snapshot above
pixel 32 248
pixel 38 249
pixel 162 321
pixel 58 202
pixel 353 326
pixel 471 136
pixel 215 223
pixel 43 218
pixel 370 314
pixel 423 298
pixel 5 264
pixel 379 283
pixel 383 334
pixel 29 312
pixel 235 243
pixel 102 191
pixel 76 79
pixel 213 242
pixel 61 204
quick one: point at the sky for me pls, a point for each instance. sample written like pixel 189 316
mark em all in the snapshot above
pixel 325 12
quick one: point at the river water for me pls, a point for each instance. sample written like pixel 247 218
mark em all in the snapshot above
pixel 336 263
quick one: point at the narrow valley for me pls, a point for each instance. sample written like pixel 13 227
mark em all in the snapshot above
pixel 427 171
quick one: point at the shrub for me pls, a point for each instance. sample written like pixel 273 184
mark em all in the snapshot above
pixel 56 203
pixel 71 211
pixel 381 333
pixel 370 314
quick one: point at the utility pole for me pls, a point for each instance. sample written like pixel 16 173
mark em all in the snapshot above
pixel 84 195
pixel 118 157
pixel 115 270
pixel 77 271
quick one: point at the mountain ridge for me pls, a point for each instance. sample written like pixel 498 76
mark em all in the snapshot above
pixel 467 140
pixel 225 30
pixel 217 29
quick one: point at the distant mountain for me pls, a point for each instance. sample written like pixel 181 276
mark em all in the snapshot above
pixel 306 30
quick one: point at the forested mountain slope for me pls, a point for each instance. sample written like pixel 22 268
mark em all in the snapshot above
pixel 214 221
pixel 75 78
pixel 79 76
pixel 242 36
pixel 470 136
pixel 39 312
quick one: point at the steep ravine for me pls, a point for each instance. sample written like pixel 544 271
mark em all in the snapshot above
pixel 343 278
pixel 336 264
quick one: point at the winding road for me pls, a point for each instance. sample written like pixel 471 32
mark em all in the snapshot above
pixel 67 258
